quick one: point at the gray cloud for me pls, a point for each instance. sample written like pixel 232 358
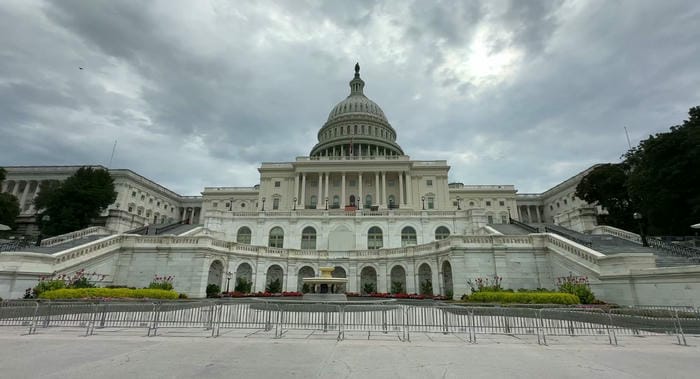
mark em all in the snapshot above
pixel 199 93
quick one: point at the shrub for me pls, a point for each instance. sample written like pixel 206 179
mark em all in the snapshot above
pixel 243 285
pixel 577 285
pixel 161 282
pixel 182 296
pixel 484 284
pixel 47 285
pixel 91 293
pixel 274 286
pixel 369 288
pixel 213 290
pixel 523 297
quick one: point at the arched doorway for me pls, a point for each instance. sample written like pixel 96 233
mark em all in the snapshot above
pixel 339 272
pixel 425 279
pixel 368 280
pixel 244 278
pixel 216 270
pixel 447 278
pixel 352 200
pixel 274 281
pixel 398 279
pixel 304 272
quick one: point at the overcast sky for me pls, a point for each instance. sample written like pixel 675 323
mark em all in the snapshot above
pixel 199 93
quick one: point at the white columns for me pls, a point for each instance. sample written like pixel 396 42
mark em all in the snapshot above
pixel 320 191
pixel 296 188
pixel 359 190
pixel 325 197
pixel 24 196
pixel 409 191
pixel 342 192
pixel 400 189
pixel 303 190
pixel 376 185
pixel 529 216
pixel 383 187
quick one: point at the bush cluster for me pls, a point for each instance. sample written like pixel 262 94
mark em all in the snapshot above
pixel 524 297
pixel 91 293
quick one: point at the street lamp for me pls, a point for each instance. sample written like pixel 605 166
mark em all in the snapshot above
pixel 422 199
pixel 295 203
pixel 326 202
pixel 638 216
pixel 509 217
pixel 263 204
pixel 459 205
pixel 229 275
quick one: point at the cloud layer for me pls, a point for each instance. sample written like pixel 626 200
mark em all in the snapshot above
pixel 199 93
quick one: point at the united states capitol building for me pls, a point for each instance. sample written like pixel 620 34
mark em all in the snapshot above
pixel 358 203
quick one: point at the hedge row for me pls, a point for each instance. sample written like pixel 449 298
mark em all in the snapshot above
pixel 88 293
pixel 524 297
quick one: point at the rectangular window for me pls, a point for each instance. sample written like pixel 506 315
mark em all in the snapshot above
pixel 336 183
pixel 431 202
pixel 501 203
pixel 488 203
pixel 133 194
pixel 214 204
pixel 391 183
pixel 429 182
pixel 131 209
pixel 277 184
pixel 352 183
pixel 276 203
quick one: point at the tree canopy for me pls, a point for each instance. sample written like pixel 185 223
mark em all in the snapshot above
pixel 73 204
pixel 659 178
pixel 9 205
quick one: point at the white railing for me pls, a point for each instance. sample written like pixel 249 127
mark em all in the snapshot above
pixel 568 247
pixel 624 234
pixel 91 231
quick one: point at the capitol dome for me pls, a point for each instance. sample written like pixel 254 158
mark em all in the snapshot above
pixel 356 127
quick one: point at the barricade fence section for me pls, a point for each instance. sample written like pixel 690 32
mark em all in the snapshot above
pixel 401 319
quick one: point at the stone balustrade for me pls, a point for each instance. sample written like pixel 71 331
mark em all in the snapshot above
pixel 91 231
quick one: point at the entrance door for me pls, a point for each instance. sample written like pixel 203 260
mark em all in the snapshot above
pixel 352 200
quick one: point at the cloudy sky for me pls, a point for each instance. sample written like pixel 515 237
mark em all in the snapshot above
pixel 198 93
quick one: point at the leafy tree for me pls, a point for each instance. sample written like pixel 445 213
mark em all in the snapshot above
pixel 74 203
pixel 659 179
pixel 9 205
pixel 664 177
pixel 606 185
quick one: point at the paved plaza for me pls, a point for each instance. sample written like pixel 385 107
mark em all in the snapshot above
pixel 122 354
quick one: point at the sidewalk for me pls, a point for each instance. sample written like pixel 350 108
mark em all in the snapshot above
pixel 189 354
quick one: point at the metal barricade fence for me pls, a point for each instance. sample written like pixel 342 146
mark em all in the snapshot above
pixel 378 318
pixel 125 315
pixel 21 313
pixel 646 322
pixel 309 316
pixel 575 322
pixel 431 319
pixel 246 314
pixel 505 320
pixel 66 315
pixel 184 315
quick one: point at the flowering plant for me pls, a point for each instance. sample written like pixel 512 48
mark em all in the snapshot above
pixel 162 282
pixel 577 285
pixel 483 284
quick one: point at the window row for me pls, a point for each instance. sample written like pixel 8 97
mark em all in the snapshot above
pixel 358 130
pixel 375 237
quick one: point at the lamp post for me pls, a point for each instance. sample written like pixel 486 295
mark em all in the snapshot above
pixel 638 216
pixel 229 275
pixel 326 202
pixel 263 204
pixel 230 208
pixel 295 203
pixel 509 217
pixel 459 205
pixel 422 199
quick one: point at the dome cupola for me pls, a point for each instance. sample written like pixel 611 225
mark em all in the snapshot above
pixel 356 126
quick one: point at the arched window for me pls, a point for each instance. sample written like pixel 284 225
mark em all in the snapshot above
pixel 308 238
pixel 276 237
pixel 368 201
pixel 244 235
pixel 375 239
pixel 408 236
pixel 336 201
pixel 441 233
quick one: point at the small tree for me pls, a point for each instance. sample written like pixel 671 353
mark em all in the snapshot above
pixel 426 288
pixel 242 285
pixel 369 288
pixel 397 287
pixel 274 286
pixel 9 205
pixel 576 285
pixel 213 290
